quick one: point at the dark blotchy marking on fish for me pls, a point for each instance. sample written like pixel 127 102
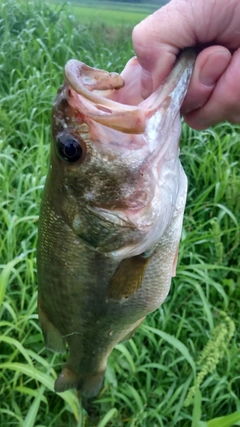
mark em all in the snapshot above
pixel 111 213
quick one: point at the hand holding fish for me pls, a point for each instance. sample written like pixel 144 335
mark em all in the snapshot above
pixel 211 26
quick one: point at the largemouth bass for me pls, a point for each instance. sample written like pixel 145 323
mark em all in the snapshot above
pixel 111 214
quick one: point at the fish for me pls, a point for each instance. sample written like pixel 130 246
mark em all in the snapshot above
pixel 111 213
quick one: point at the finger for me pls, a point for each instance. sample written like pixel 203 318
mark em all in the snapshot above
pixel 179 24
pixel 210 65
pixel 224 102
pixel 156 47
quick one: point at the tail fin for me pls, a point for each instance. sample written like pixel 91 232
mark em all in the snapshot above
pixel 88 385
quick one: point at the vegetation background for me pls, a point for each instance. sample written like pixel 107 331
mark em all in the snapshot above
pixel 149 377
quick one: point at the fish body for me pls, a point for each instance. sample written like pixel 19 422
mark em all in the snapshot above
pixel 111 214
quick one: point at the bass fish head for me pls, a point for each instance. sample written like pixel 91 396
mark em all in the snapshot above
pixel 115 174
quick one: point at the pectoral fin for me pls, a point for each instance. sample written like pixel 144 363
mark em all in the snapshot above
pixel 128 278
pixel 52 337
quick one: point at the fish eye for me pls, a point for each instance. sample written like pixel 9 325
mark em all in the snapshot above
pixel 69 148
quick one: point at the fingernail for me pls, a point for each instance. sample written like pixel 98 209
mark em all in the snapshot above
pixel 146 83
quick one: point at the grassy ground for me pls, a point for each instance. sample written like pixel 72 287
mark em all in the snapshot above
pixel 148 378
pixel 109 17
pixel 115 14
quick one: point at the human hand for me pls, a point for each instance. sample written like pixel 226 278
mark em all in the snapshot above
pixel 211 26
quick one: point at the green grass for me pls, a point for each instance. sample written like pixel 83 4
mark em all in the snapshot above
pixel 148 378
pixel 127 5
pixel 111 14
pixel 108 17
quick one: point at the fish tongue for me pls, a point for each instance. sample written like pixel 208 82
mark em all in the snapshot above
pixel 83 80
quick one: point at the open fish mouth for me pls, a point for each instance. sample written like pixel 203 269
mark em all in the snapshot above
pixel 105 98
pixel 88 82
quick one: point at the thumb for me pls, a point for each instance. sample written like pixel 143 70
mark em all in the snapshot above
pixel 157 41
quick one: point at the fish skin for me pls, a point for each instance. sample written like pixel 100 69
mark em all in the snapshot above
pixel 114 215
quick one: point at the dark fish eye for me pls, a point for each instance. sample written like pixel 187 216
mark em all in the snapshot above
pixel 69 148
